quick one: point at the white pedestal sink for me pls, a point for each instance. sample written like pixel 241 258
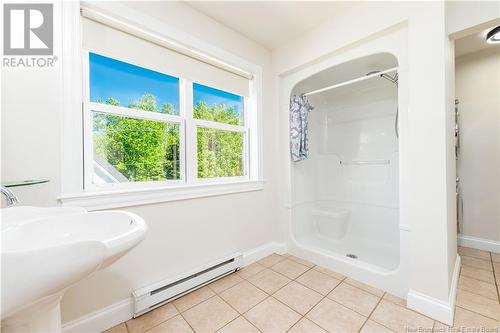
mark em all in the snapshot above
pixel 47 250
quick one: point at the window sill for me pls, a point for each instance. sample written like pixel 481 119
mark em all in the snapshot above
pixel 138 197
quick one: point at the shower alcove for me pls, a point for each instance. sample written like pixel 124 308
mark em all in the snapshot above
pixel 345 196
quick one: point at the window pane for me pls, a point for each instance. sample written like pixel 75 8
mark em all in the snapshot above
pixel 217 105
pixel 131 150
pixel 220 153
pixel 119 83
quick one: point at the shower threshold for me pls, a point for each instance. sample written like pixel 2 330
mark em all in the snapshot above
pixel 373 253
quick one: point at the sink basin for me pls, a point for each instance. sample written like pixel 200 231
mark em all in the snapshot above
pixel 46 250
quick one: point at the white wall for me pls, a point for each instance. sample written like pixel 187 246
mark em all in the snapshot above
pixel 183 234
pixel 477 87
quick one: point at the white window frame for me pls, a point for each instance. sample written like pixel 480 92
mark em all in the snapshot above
pixel 187 134
pixel 73 190
pixel 90 107
pixel 194 123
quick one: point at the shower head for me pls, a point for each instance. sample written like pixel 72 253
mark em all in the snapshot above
pixel 393 79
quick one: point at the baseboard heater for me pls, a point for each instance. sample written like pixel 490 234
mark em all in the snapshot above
pixel 151 297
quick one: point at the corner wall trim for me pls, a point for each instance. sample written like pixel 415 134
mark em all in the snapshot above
pixel 435 308
pixel 479 243
pixel 114 314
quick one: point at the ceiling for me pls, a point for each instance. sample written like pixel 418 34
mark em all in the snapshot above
pixel 473 43
pixel 270 23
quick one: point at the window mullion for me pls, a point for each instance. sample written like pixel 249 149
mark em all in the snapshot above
pixel 133 113
pixel 247 141
pixel 190 136
pixel 88 155
pixel 220 126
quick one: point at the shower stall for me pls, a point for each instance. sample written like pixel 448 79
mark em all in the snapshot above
pixel 345 195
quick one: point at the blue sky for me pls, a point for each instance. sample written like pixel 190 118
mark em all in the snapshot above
pixel 127 83
pixel 214 96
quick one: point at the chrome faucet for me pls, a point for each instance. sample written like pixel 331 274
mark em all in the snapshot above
pixel 10 197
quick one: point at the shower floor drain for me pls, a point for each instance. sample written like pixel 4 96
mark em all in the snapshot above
pixel 350 255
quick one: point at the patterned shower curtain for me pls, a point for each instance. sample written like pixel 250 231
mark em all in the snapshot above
pixel 299 141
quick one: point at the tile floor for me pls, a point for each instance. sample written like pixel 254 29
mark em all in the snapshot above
pixel 289 294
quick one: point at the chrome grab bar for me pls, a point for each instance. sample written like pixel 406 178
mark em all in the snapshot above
pixel 366 162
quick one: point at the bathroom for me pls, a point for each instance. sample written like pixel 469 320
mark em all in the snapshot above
pixel 367 233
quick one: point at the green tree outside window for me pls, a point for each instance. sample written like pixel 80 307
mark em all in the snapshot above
pixel 148 150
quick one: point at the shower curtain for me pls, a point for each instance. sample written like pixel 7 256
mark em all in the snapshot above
pixel 299 141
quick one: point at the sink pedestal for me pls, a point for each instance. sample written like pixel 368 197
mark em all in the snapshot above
pixel 41 317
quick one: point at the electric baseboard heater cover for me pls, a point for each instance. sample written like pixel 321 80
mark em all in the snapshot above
pixel 153 296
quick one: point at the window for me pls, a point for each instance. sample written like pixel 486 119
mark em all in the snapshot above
pixel 161 121
pixel 130 121
pixel 220 132
pixel 133 113
pixel 140 130
pixel 127 149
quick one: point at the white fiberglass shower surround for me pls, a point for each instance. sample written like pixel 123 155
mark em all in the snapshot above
pixel 345 197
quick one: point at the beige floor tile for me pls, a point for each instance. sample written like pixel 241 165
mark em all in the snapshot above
pixel 193 298
pixel 467 251
pixel 354 298
pixel 374 327
pixel 250 270
pixel 334 317
pixel 239 325
pixel 173 325
pixel 479 274
pixel 243 296
pixel 439 327
pixel 271 260
pixel 272 316
pixel 269 281
pixel 365 287
pixel 301 261
pixel 478 287
pixel 495 257
pixel 152 318
pixel 399 318
pixel 318 281
pixel 306 326
pixel 298 297
pixel 289 268
pixel 329 272
pixel 477 263
pixel 469 319
pixel 210 315
pixel 395 299
pixel 478 304
pixel 496 265
pixel 225 283
pixel 121 328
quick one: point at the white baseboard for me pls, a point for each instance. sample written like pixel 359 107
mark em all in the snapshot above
pixel 479 243
pixel 119 312
pixel 262 251
pixel 102 319
pixel 435 308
